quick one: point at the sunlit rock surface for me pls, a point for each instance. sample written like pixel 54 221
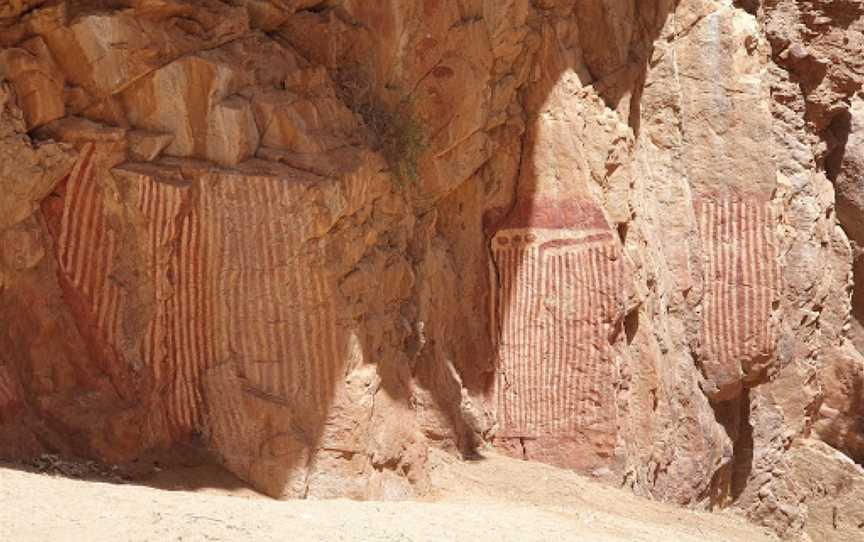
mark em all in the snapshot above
pixel 311 239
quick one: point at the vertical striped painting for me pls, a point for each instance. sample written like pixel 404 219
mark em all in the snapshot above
pixel 87 247
pixel 557 294
pixel 741 278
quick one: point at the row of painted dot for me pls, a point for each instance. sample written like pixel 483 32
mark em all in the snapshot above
pixel 529 238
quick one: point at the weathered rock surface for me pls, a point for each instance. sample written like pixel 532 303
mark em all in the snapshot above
pixel 313 238
pixel 28 170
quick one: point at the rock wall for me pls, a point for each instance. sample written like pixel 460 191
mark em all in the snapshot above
pixel 312 238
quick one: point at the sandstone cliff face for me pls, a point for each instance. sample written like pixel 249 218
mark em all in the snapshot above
pixel 313 238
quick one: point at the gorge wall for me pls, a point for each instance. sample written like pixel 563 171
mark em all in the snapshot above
pixel 312 238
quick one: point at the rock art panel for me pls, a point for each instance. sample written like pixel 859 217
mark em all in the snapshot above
pixel 242 344
pixel 559 278
pixel 177 345
pixel 228 282
pixel 255 284
pixel 279 318
pixel 742 280
pixel 86 248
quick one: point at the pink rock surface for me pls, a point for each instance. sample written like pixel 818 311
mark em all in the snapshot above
pixel 312 239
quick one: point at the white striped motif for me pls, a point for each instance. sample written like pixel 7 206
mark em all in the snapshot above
pixel 554 312
pixel 87 247
pixel 279 316
pixel 741 278
pixel 178 345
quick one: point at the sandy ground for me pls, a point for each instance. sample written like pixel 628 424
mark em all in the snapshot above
pixel 496 499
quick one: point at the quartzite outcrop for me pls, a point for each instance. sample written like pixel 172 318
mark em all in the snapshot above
pixel 312 238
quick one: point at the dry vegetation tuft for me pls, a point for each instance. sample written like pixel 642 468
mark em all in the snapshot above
pixel 397 133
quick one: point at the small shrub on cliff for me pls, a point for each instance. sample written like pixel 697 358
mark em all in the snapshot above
pixel 397 133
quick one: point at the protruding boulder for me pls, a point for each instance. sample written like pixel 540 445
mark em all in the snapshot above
pixel 203 100
pixel 831 488
pixel 841 414
pixel 28 171
pixel 37 80
pixel 232 135
pixel 145 146
pixel 75 129
pixel 106 51
pixel 301 124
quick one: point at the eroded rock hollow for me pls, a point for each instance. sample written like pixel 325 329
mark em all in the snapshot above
pixel 310 239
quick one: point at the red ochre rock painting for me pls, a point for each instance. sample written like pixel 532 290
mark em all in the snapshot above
pixel 229 289
pixel 559 292
pixel 568 214
pixel 87 248
pixel 175 342
pixel 237 292
pixel 87 253
pixel 742 281
pixel 275 314
pixel 178 343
